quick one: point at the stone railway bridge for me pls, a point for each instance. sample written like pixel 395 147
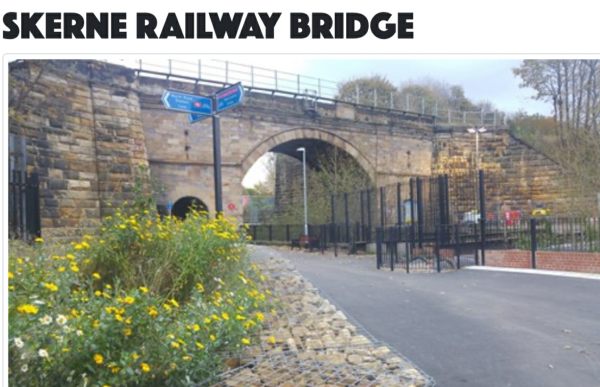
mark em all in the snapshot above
pixel 89 126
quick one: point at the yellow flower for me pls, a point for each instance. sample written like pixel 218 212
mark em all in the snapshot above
pixel 74 268
pixel 271 339
pixel 225 316
pixel 128 300
pixel 97 293
pixel 61 269
pixel 118 317
pixel 98 359
pixel 187 358
pixel 135 356
pixel 70 257
pixel 96 276
pixel 96 324
pixel 199 345
pixel 39 240
pixel 167 307
pixel 127 332
pixel 245 341
pixel 145 367
pixel 174 302
pixel 78 246
pixel 212 337
pixel 260 316
pixel 27 309
pixel 152 312
pixel 143 289
pixel 200 287
pixel 10 275
pixel 85 245
pixel 207 320
pixel 51 286
pixel 239 317
pixel 174 344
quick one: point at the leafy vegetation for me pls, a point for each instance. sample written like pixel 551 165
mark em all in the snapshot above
pixel 148 301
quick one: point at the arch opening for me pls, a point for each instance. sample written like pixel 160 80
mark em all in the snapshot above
pixel 183 206
pixel 277 195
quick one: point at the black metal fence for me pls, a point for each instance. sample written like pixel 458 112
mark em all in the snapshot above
pixel 435 223
pixel 23 206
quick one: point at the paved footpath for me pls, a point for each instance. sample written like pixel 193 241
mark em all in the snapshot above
pixel 468 327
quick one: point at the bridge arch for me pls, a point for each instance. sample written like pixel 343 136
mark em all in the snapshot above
pixel 307 134
pixel 185 204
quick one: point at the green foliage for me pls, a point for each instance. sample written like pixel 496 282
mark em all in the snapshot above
pixel 148 301
pixel 335 173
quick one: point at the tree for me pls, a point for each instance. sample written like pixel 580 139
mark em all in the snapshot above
pixel 334 172
pixel 375 90
pixel 573 88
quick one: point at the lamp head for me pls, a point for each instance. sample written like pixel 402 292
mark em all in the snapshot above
pixel 301 149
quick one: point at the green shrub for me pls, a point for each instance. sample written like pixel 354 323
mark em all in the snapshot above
pixel 148 301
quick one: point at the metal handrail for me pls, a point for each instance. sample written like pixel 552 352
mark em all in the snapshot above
pixel 272 81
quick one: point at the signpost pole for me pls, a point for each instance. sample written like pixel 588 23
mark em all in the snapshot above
pixel 217 164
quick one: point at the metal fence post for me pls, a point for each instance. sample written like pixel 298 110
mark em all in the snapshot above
pixel 533 233
pixel 457 244
pixel 378 247
pixel 420 215
pixel 346 217
pixel 437 247
pixel 412 213
pixel 393 245
pixel 482 213
pixel 407 256
pixel 399 209
pixel 362 215
pixel 333 225
pixel 382 207
pixel 369 224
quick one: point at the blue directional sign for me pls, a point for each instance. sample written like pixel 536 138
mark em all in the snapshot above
pixel 229 97
pixel 195 117
pixel 188 103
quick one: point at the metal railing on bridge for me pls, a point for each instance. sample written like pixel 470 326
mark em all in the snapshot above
pixel 214 71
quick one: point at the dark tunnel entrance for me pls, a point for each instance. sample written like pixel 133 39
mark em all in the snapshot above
pixel 185 204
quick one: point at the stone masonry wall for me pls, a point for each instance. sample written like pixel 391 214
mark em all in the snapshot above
pixel 81 121
pixel 515 174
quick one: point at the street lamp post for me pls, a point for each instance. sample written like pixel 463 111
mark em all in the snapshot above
pixel 303 150
pixel 477 131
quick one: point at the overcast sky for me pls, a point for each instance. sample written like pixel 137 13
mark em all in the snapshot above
pixel 482 79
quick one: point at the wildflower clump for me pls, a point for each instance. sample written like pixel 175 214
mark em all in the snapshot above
pixel 146 301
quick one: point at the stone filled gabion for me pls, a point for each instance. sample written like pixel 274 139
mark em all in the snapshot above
pixel 314 343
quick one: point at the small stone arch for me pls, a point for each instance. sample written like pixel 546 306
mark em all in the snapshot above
pixel 185 204
pixel 310 134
